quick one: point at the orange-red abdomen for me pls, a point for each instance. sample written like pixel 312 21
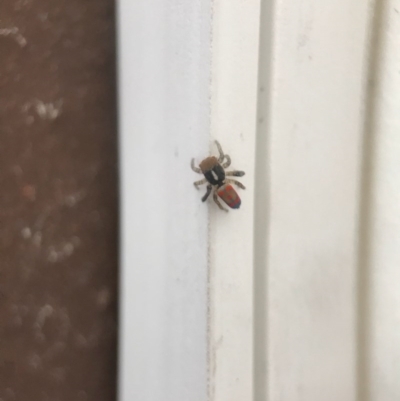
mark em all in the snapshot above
pixel 228 194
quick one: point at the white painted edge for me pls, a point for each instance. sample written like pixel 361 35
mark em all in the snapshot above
pixel 382 211
pixel 315 130
pixel 234 74
pixel 163 67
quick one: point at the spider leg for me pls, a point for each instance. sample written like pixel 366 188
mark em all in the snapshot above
pixel 239 184
pixel 207 194
pixel 200 182
pixel 194 168
pixel 216 200
pixel 228 161
pixel 221 153
pixel 234 173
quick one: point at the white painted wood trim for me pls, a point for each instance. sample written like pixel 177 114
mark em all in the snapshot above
pixel 320 262
pixel 165 69
pixel 164 61
pixel 382 212
pixel 234 74
pixel 313 116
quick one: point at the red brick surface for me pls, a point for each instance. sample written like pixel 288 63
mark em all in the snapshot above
pixel 58 203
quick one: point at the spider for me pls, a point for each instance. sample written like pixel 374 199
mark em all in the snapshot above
pixel 214 172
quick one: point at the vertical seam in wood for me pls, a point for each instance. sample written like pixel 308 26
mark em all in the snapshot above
pixel 372 74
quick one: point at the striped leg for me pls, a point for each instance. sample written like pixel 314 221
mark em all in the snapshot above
pixel 200 182
pixel 235 173
pixel 216 200
pixel 239 184
pixel 194 168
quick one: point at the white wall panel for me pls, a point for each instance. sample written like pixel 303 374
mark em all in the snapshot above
pixel 234 68
pixel 295 295
pixel 164 78
pixel 314 110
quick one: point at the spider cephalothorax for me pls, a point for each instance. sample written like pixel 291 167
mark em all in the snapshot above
pixel 215 175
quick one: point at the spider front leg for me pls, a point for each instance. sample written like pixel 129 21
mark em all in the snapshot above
pixel 200 182
pixel 221 153
pixel 235 173
pixel 223 156
pixel 228 161
pixel 216 200
pixel 239 184
pixel 207 194
pixel 194 168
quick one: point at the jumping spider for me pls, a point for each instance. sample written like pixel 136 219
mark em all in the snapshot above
pixel 214 172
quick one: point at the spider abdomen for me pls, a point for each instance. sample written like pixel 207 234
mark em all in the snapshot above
pixel 228 194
